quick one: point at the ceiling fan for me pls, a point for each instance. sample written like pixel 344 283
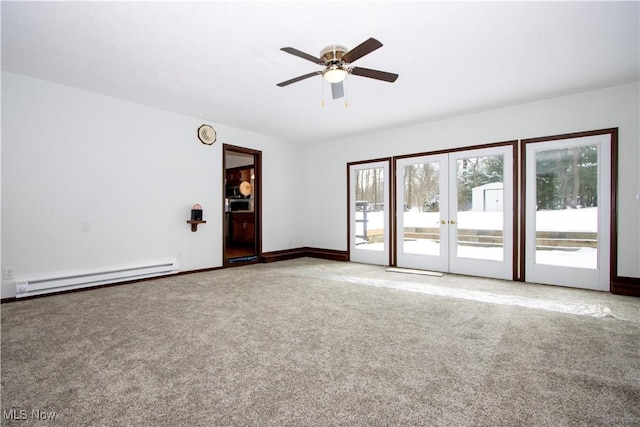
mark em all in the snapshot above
pixel 336 61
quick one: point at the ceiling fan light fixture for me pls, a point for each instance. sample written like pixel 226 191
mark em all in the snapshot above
pixel 334 74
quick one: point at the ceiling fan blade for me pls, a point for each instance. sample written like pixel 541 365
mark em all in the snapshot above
pixel 374 74
pixel 302 55
pixel 337 90
pixel 361 50
pixel 297 79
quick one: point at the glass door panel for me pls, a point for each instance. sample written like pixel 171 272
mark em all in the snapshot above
pixel 369 203
pixel 567 207
pixel 480 207
pixel 421 208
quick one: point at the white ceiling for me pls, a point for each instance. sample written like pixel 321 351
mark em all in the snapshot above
pixel 220 61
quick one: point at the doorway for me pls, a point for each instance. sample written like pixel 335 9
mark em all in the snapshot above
pixel 242 205
pixel 454 212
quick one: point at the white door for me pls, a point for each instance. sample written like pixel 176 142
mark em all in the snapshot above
pixel 568 212
pixel 422 212
pixel 455 212
pixel 369 213
pixel 480 216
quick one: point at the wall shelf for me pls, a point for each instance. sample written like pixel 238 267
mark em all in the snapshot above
pixel 194 224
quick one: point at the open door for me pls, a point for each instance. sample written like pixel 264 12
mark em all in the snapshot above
pixel 242 205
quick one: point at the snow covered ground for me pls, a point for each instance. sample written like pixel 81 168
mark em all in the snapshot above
pixel 571 220
pixel 585 219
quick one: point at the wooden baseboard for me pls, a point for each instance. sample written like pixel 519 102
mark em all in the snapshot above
pixel 286 254
pixel 629 286
pixel 283 255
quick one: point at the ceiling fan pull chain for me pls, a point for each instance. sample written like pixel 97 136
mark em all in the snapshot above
pixel 322 85
pixel 346 94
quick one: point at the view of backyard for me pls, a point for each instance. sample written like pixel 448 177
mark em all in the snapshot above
pixel 581 221
pixel 566 200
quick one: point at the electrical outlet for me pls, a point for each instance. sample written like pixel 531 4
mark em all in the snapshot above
pixel 7 273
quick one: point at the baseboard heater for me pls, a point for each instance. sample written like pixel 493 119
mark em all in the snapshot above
pixel 39 286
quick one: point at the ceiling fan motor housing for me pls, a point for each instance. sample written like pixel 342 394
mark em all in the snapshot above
pixel 332 55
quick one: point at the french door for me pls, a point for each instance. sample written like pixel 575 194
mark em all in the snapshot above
pixel 568 211
pixel 454 212
pixel 369 236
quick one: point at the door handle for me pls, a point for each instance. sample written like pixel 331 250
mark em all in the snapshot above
pixel 443 221
pixel 453 221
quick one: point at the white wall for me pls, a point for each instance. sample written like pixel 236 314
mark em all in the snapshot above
pixel 129 172
pixel 133 172
pixel 325 165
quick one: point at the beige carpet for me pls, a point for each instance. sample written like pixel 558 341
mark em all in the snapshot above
pixel 314 342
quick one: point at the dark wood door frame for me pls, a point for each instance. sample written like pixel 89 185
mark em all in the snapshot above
pixel 257 169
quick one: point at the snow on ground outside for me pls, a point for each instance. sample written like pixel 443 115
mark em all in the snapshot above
pixel 585 220
pixel 575 220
